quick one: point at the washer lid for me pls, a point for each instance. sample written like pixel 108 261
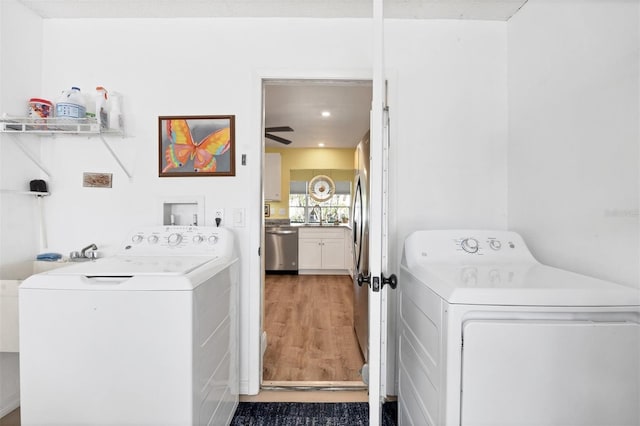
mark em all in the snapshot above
pixel 523 284
pixel 118 266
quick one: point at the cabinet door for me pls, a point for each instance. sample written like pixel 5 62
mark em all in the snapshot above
pixel 348 251
pixel 333 253
pixel 309 253
pixel 272 184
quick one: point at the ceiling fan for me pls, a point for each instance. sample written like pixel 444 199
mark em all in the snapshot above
pixel 269 130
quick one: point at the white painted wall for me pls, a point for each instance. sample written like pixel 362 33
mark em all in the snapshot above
pixel 448 118
pixel 20 79
pixel 574 184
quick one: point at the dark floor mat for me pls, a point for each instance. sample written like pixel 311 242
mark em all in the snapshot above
pixel 309 414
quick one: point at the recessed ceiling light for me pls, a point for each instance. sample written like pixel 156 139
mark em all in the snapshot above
pixel 326 114
pixel 321 144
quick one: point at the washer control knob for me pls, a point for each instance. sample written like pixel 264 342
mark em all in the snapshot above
pixel 470 245
pixel 137 239
pixel 213 239
pixel 174 239
pixel 495 244
pixel 197 239
pixel 153 239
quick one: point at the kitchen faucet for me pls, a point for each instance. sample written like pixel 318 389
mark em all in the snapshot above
pixel 318 214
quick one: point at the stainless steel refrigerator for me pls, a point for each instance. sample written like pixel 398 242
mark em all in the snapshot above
pixel 360 225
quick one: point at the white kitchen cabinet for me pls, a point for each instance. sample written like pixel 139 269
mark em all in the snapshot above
pixel 272 178
pixel 309 253
pixel 348 250
pixel 321 250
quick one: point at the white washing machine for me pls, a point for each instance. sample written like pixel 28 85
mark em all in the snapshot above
pixel 146 337
pixel 489 336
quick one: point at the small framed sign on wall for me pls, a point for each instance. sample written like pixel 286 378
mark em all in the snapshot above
pixel 202 145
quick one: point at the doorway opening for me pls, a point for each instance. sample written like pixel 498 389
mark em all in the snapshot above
pixel 312 129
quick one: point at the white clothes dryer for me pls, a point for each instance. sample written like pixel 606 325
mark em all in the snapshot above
pixel 489 336
pixel 146 337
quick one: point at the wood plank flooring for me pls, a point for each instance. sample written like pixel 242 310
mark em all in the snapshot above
pixel 309 325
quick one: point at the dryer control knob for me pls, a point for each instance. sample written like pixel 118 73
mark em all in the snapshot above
pixel 197 239
pixel 153 239
pixel 470 245
pixel 137 239
pixel 213 239
pixel 174 239
pixel 495 244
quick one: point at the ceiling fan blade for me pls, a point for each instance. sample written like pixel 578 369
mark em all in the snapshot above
pixel 278 129
pixel 277 138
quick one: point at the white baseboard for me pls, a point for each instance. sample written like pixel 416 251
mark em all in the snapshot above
pixel 9 406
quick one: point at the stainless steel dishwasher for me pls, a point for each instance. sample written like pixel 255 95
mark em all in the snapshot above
pixel 281 248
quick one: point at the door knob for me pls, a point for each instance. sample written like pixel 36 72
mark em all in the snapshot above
pixel 363 279
pixel 391 280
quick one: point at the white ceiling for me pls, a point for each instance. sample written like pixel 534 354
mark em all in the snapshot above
pixel 403 9
pixel 297 105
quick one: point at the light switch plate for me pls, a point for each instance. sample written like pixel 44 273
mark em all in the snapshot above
pixel 238 218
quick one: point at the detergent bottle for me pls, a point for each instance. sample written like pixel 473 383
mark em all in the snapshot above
pixel 71 104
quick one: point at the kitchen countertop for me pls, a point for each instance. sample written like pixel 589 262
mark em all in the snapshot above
pixel 281 223
pixel 324 225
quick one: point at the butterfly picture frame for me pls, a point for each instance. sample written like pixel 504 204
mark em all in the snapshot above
pixel 196 145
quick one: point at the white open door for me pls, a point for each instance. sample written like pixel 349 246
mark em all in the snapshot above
pixel 377 226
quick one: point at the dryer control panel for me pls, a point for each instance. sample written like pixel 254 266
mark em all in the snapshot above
pixel 178 240
pixel 466 246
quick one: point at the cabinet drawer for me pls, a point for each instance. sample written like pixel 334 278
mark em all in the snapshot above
pixel 319 232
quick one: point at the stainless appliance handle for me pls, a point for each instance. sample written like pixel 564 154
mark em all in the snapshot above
pixel 280 232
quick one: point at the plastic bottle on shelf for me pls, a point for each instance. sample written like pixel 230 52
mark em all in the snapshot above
pixel 115 114
pixel 102 114
pixel 90 102
pixel 71 104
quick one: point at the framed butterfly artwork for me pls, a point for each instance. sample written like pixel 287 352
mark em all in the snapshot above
pixel 201 145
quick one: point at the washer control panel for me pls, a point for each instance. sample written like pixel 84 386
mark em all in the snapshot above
pixel 177 240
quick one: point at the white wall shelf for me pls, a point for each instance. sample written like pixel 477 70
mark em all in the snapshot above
pixel 18 192
pixel 17 126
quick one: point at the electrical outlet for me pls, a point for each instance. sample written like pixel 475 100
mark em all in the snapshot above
pixel 218 216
